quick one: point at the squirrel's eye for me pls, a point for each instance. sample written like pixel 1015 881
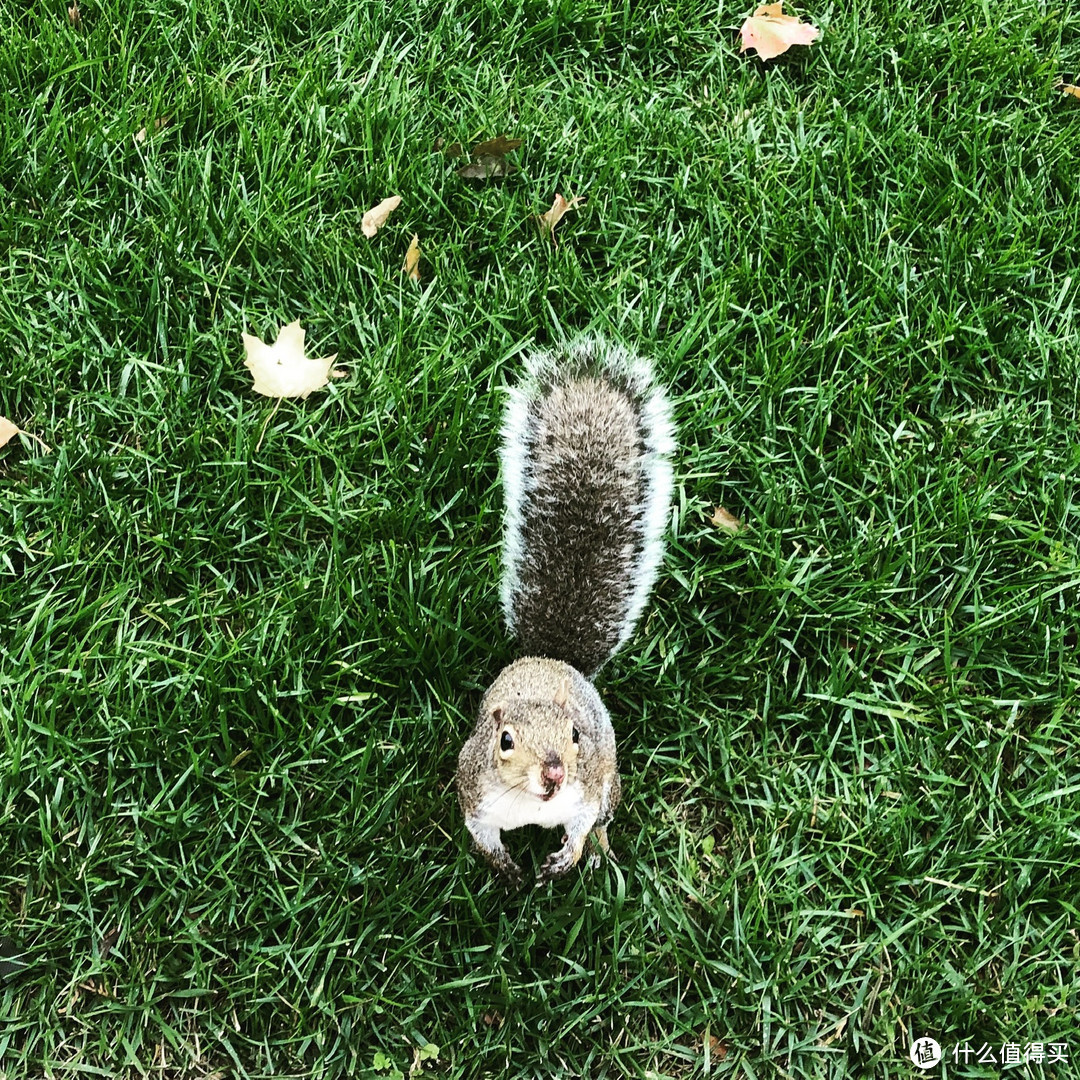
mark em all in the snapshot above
pixel 576 736
pixel 506 743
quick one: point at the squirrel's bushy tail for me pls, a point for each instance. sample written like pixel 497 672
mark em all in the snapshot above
pixel 587 478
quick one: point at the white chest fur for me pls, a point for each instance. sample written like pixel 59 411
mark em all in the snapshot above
pixel 510 808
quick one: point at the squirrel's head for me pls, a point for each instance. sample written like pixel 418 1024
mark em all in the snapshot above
pixel 535 743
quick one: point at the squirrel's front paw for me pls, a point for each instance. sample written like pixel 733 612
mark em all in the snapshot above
pixel 556 864
pixel 513 874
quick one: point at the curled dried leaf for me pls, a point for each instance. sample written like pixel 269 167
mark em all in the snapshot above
pixel 412 258
pixel 1068 88
pixel 559 207
pixel 376 217
pixel 728 522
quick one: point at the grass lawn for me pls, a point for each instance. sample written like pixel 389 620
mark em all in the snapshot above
pixel 241 647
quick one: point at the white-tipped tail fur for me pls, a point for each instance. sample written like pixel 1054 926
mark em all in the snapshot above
pixel 586 441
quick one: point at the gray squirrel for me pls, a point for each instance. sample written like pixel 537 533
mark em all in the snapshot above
pixel 586 445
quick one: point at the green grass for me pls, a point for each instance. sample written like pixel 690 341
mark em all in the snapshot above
pixel 241 648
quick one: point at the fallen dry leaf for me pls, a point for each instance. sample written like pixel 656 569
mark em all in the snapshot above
pixel 376 217
pixel 486 166
pixel 74 17
pixel 500 146
pixel 282 369
pixel 559 207
pixel 412 259
pixel 728 522
pixel 489 159
pixel 8 431
pixel 772 33
pixel 1068 88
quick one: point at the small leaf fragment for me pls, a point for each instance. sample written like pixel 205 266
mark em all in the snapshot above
pixel 412 258
pixel 1068 88
pixel 159 123
pixel 559 207
pixel 718 1049
pixel 772 33
pixel 283 369
pixel 376 217
pixel 728 522
pixel 74 17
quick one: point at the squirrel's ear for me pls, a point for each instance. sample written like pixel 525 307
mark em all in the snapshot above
pixel 562 695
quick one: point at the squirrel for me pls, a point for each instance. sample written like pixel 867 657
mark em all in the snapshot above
pixel 586 444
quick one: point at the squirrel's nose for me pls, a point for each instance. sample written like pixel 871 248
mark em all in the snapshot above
pixel 553 773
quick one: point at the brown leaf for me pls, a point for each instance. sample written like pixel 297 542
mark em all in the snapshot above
pixel 455 149
pixel 559 207
pixel 489 159
pixel 412 259
pixel 718 1049
pixel 74 17
pixel 500 146
pixel 376 217
pixel 1068 88
pixel 487 166
pixel 728 522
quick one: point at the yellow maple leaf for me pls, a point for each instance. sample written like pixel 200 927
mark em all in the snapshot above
pixel 771 33
pixel 283 369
